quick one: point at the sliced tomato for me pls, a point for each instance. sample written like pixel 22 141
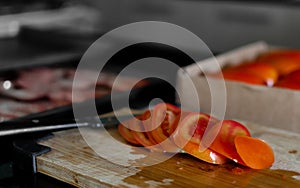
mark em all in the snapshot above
pixel 206 155
pixel 193 126
pixel 263 70
pixel 236 74
pixel 194 133
pixel 224 141
pixel 287 83
pixel 164 121
pixel 280 54
pixel 138 131
pixel 189 133
pixel 127 134
pixel 294 76
pixel 291 81
pixel 255 153
pixel 285 61
pixel 147 124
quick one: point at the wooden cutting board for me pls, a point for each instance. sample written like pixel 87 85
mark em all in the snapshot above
pixel 73 161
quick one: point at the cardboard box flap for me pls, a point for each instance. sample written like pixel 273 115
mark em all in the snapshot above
pixel 270 106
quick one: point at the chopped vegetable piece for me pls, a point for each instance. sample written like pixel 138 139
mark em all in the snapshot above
pixel 127 134
pixel 193 126
pixel 139 133
pixel 262 70
pixel 163 130
pixel 164 122
pixel 147 123
pixel 240 76
pixel 224 141
pixel 206 155
pixel 286 66
pixel 189 134
pixel 285 61
pixel 255 153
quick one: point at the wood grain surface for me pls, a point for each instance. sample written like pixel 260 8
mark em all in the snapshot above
pixel 73 161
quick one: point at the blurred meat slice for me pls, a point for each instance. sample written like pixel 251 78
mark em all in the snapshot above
pixel 100 92
pixel 67 83
pixel 21 94
pixel 60 95
pixel 8 109
pixel 84 78
pixel 105 80
pixel 75 96
pixel 34 107
pixel 124 83
pixel 38 78
pixel 83 95
pixel 13 109
pixel 39 89
pixel 127 83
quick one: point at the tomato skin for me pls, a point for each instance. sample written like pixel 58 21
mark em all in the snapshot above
pixel 290 81
pixel 139 133
pixel 263 70
pixel 164 121
pixel 242 76
pixel 255 153
pixel 285 61
pixel 127 134
pixel 147 119
pixel 188 136
pixel 206 155
pixel 280 53
pixel 295 76
pixel 193 126
pixel 289 84
pixel 168 129
pixel 224 141
pixel 152 137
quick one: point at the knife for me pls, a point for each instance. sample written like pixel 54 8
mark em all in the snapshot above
pixel 32 126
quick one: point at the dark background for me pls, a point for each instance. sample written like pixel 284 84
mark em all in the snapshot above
pixel 43 32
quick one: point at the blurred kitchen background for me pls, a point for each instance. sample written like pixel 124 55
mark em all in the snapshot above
pixel 36 31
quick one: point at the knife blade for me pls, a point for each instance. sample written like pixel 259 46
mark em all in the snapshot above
pixel 34 126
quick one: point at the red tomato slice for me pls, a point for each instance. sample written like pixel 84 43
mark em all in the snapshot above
pixel 127 134
pixel 206 155
pixel 139 132
pixel 224 141
pixel 285 61
pixel 255 153
pixel 242 76
pixel 193 126
pixel 291 81
pixel 164 121
pixel 189 134
pixel 263 70
pixel 147 123
pixel 280 54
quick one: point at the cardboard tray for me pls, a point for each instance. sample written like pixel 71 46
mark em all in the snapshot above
pixel 275 107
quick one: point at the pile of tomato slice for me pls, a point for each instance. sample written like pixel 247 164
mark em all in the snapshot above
pixel 167 128
pixel 274 68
